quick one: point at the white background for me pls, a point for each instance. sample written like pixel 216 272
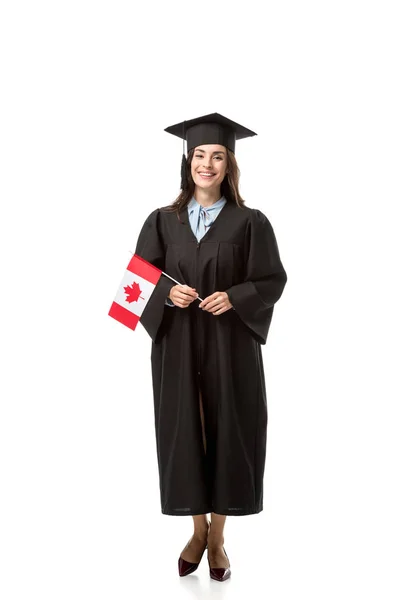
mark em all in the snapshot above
pixel 87 89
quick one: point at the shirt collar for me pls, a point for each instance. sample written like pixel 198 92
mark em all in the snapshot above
pixel 193 204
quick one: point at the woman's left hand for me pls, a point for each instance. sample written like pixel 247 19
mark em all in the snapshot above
pixel 217 303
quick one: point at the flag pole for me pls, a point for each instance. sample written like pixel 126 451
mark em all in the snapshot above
pixel 174 280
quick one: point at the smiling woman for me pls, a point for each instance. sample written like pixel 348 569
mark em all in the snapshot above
pixel 210 401
pixel 209 165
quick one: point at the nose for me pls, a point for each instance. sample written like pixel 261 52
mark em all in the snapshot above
pixel 207 163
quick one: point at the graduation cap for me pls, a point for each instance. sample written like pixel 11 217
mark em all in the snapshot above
pixel 209 129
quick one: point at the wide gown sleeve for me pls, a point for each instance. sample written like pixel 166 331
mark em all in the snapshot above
pixel 151 247
pixel 265 278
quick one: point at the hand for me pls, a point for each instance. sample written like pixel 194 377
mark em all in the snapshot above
pixel 182 295
pixel 217 303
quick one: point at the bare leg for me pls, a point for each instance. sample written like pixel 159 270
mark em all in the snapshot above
pixel 216 554
pixel 197 543
pixel 195 547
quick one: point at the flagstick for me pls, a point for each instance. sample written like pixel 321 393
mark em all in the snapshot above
pixel 174 280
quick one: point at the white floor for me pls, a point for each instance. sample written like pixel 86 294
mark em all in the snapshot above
pixel 309 542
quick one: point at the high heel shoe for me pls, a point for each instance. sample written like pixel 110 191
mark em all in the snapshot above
pixel 220 573
pixel 185 567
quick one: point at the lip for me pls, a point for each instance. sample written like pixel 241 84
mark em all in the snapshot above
pixel 210 176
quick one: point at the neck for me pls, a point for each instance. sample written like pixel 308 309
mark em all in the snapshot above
pixel 207 197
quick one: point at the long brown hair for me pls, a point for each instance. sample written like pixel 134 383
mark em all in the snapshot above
pixel 229 185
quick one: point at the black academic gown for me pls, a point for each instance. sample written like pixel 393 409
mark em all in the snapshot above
pixel 221 355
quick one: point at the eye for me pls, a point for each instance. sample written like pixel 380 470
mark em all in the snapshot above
pixel 199 155
pixel 219 157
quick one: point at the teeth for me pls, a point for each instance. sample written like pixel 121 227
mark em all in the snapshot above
pixel 207 174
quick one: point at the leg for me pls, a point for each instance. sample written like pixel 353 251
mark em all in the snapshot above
pixel 195 547
pixel 197 543
pixel 216 554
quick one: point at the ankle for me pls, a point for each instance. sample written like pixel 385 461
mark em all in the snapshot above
pixel 215 540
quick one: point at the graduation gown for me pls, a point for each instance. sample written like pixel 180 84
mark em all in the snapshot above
pixel 221 355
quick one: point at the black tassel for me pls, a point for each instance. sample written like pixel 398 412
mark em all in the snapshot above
pixel 184 178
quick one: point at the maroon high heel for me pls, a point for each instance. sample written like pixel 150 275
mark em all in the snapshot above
pixel 220 573
pixel 185 567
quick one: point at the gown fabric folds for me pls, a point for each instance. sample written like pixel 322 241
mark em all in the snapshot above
pixel 194 350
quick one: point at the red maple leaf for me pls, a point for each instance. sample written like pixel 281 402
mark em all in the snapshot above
pixel 133 292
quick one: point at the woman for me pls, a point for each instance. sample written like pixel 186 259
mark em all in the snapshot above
pixel 210 401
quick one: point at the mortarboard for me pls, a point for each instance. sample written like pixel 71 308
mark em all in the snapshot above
pixel 209 129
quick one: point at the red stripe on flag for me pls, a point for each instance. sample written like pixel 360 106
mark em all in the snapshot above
pixel 124 316
pixel 144 269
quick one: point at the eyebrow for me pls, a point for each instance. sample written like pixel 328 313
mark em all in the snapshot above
pixel 216 151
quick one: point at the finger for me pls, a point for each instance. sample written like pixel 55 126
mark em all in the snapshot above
pixel 216 308
pixel 208 299
pixel 183 296
pixel 188 290
pixel 220 311
pixel 182 304
pixel 204 303
pixel 213 303
pixel 222 307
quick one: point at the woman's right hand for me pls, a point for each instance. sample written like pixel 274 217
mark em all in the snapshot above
pixel 182 295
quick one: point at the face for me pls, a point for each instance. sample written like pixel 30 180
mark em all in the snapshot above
pixel 209 165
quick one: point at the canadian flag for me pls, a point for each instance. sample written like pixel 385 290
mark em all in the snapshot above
pixel 134 292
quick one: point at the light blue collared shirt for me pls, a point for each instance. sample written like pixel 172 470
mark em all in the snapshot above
pixel 200 219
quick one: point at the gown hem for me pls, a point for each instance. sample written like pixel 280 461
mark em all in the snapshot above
pixel 222 511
